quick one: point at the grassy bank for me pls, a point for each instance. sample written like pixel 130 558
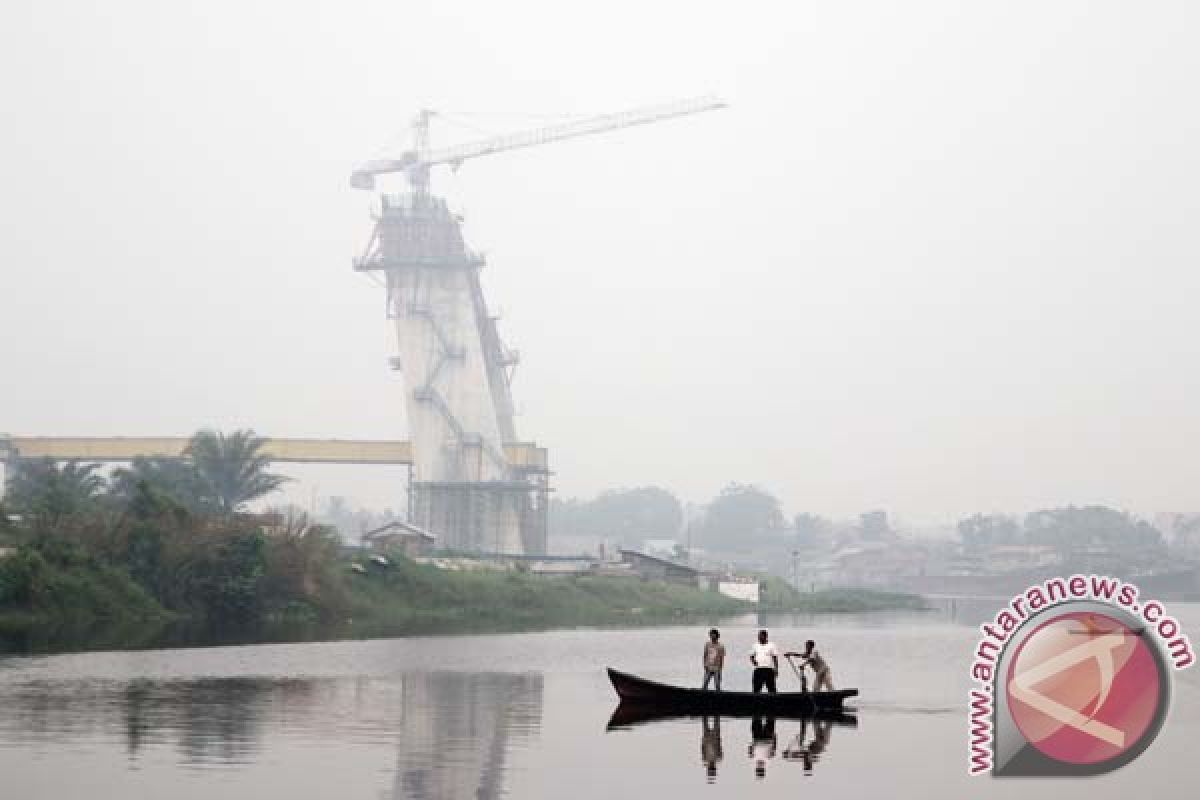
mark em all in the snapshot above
pixel 55 597
pixel 157 587
pixel 411 595
pixel 778 595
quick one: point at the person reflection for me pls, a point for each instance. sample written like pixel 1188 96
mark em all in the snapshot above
pixel 762 744
pixel 809 752
pixel 710 746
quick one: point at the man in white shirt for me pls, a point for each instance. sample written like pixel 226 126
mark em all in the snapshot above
pixel 765 658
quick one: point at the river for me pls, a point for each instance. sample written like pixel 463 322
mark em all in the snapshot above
pixel 521 716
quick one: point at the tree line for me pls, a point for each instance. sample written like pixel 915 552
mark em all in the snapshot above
pixel 164 534
pixel 745 517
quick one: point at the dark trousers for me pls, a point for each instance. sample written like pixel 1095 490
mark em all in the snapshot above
pixel 764 676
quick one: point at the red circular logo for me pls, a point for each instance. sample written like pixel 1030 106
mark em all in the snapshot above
pixel 1084 688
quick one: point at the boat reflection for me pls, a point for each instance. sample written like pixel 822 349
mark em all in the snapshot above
pixel 808 740
pixel 710 746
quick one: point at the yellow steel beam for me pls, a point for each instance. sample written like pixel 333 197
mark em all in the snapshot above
pixel 126 448
pixel 311 451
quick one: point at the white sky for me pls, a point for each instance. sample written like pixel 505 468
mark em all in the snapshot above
pixel 937 257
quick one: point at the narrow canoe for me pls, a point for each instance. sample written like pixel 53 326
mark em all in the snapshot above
pixel 651 694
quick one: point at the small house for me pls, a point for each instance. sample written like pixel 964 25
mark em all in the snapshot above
pixel 652 568
pixel 401 537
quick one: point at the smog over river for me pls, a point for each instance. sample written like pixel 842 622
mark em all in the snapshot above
pixel 426 400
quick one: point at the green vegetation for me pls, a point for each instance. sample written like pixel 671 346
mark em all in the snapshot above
pixel 412 596
pixel 778 595
pixel 740 518
pixel 164 549
pixel 1075 534
pixel 166 542
pixel 44 585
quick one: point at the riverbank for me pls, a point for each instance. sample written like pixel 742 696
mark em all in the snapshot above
pixel 779 596
pixel 47 605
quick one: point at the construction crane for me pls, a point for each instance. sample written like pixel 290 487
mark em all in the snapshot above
pixel 416 163
pixel 468 488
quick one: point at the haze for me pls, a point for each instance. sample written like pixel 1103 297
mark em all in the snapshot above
pixel 935 258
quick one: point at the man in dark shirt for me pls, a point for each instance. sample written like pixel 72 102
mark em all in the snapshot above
pixel 811 658
pixel 714 659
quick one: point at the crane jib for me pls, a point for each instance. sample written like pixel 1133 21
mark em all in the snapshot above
pixel 416 163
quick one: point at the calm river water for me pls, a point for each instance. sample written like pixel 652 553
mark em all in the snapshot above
pixel 521 716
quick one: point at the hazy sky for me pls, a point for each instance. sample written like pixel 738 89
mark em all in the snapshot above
pixel 936 256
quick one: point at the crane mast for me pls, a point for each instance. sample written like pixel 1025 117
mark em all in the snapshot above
pixel 474 484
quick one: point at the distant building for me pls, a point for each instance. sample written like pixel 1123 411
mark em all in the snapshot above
pixel 663 548
pixel 879 563
pixel 1020 557
pixel 747 589
pixel 651 567
pixel 562 566
pixel 401 537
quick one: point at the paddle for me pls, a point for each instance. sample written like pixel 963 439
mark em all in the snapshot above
pixel 799 672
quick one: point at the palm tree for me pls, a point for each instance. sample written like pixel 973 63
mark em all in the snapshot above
pixel 48 491
pixel 176 478
pixel 232 468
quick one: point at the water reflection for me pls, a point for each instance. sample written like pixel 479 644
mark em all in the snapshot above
pixel 710 746
pixel 456 730
pixel 808 737
pixel 762 744
pixel 450 732
pixel 808 751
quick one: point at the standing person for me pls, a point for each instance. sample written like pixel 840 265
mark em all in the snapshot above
pixel 819 667
pixel 714 659
pixel 765 658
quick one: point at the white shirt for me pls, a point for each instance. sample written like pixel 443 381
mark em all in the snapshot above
pixel 762 655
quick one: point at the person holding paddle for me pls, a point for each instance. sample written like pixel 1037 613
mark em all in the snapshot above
pixel 811 658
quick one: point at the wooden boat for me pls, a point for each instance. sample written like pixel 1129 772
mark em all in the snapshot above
pixel 641 693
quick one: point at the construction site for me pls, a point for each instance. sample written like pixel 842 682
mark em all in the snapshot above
pixel 474 482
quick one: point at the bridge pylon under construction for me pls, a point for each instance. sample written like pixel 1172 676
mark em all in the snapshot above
pixel 466 487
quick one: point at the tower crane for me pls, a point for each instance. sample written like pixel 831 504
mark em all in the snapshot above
pixel 475 485
pixel 417 162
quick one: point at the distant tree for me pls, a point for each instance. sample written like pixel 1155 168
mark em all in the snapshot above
pixel 739 513
pixel 232 468
pixel 1074 528
pixel 982 531
pixel 302 563
pixel 175 478
pixel 811 529
pixel 628 515
pixel 47 492
pixel 873 526
pixel 1186 541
